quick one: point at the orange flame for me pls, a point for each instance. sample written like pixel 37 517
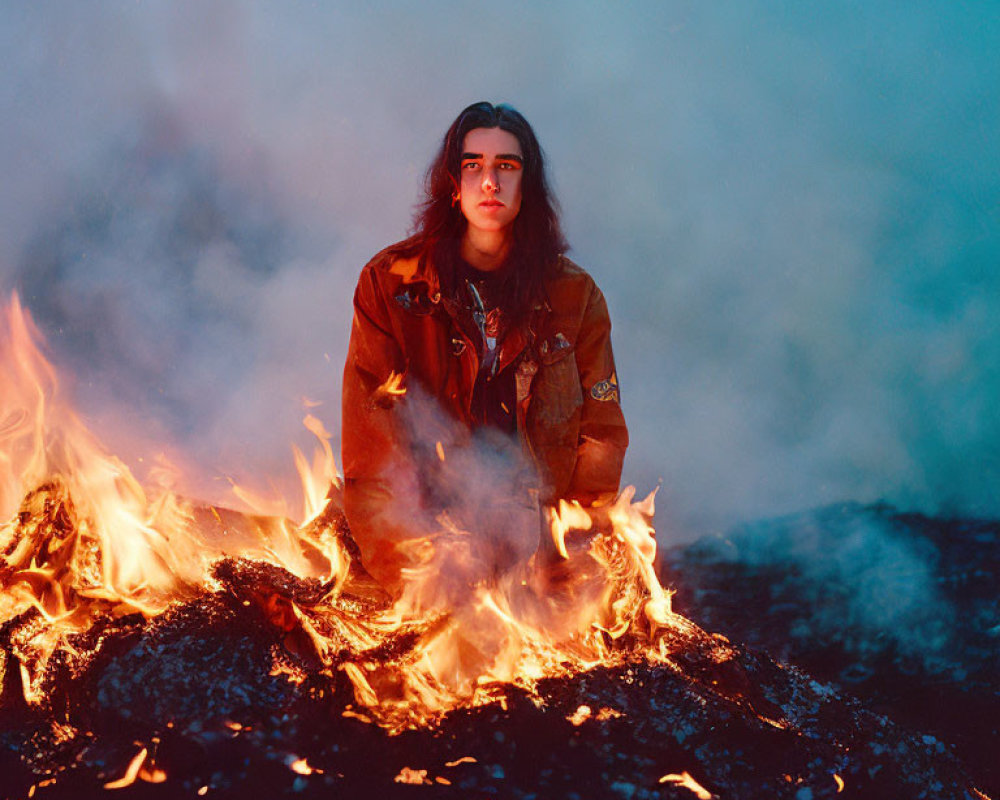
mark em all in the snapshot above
pixel 79 535
pixel 393 386
pixel 85 538
pixel 131 772
pixel 687 782
pixel 301 766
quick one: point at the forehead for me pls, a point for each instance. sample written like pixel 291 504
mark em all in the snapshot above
pixel 491 141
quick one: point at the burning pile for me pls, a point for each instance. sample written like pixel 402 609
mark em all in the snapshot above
pixel 134 622
pixel 87 544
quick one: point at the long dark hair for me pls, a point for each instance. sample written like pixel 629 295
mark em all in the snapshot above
pixel 438 224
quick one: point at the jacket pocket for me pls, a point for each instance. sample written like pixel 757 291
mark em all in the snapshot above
pixel 557 395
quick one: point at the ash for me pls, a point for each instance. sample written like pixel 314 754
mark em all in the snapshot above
pixel 227 703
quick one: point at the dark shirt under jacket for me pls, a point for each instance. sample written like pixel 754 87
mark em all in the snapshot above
pixel 478 294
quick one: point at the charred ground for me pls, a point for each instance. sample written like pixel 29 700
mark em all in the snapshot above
pixel 222 694
pixel 898 609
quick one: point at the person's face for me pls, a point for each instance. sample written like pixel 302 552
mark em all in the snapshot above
pixel 491 168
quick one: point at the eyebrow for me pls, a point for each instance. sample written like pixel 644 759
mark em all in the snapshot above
pixel 500 157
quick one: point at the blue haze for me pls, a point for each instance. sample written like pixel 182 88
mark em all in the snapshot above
pixel 793 209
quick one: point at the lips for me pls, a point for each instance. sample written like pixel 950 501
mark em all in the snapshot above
pixel 491 204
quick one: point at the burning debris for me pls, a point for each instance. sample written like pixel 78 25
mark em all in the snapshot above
pixel 215 696
pixel 149 643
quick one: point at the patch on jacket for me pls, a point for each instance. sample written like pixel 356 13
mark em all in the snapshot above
pixel 606 389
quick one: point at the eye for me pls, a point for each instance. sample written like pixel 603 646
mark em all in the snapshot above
pixel 513 165
pixel 470 165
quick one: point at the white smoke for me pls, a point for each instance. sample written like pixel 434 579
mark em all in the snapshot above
pixel 792 212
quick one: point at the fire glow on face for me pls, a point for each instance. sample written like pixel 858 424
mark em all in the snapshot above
pixel 81 541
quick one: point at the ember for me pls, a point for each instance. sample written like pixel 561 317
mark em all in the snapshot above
pixel 149 639
pixel 685 780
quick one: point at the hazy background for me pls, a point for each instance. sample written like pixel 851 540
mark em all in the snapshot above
pixel 793 210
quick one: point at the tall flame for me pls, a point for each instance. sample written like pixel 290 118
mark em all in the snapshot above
pixel 121 552
pixel 81 537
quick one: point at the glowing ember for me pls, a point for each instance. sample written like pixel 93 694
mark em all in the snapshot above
pixel 301 766
pixel 685 781
pixel 152 775
pixel 584 713
pixel 131 773
pixel 414 776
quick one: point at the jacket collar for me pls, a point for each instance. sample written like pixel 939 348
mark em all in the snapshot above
pixel 415 270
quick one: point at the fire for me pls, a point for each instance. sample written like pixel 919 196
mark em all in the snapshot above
pixel 301 766
pixel 85 540
pixel 585 712
pixel 81 538
pixel 131 773
pixel 413 776
pixel 686 781
pixel 393 387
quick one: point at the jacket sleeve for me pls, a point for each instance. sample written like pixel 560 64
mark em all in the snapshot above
pixel 603 433
pixel 379 477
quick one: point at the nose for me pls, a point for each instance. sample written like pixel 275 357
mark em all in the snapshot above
pixel 491 181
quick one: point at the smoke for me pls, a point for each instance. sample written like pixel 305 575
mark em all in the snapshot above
pixel 473 495
pixel 851 577
pixel 793 212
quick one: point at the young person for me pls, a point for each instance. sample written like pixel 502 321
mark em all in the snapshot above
pixel 479 310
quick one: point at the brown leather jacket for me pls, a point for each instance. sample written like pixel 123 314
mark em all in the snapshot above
pixel 569 419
